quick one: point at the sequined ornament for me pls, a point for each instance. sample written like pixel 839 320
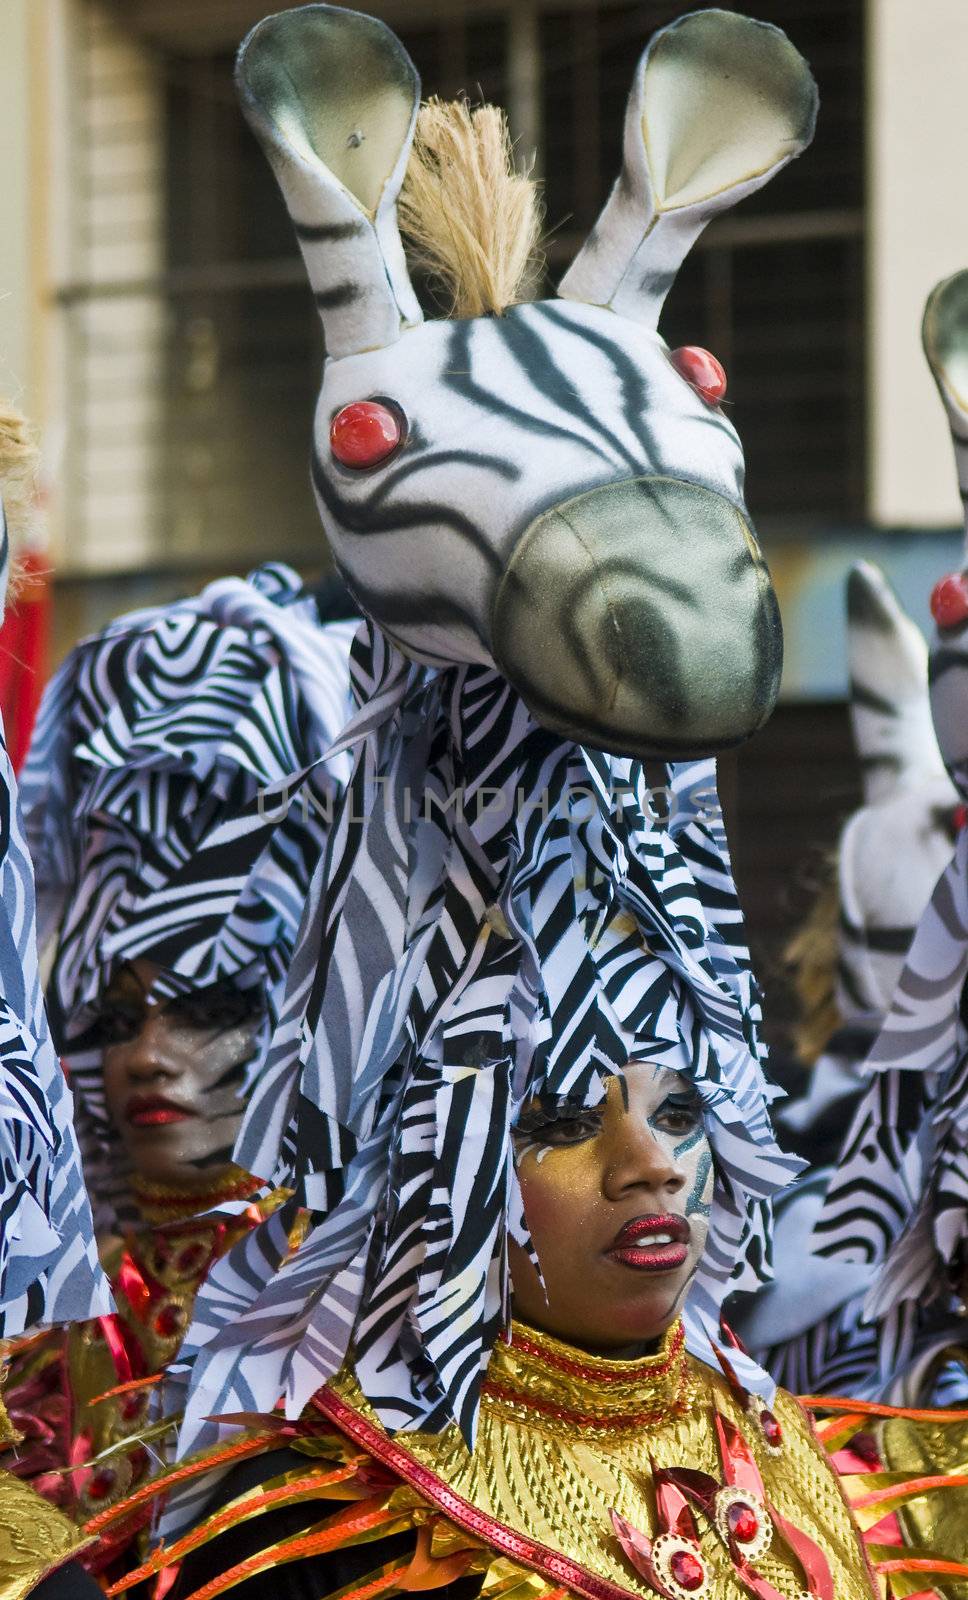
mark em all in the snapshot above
pixel 679 1566
pixel 743 1519
pixel 768 1424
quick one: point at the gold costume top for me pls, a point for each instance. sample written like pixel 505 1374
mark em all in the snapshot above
pixel 923 1448
pixel 35 1539
pixel 56 1380
pixel 576 1465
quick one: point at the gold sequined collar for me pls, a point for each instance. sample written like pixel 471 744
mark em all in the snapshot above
pixel 537 1476
pixel 160 1202
pixel 535 1376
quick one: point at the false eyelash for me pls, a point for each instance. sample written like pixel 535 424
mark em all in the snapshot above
pixel 684 1102
pixel 532 1123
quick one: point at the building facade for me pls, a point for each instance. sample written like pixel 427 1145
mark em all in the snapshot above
pixel 155 320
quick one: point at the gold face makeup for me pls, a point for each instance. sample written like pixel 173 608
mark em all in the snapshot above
pixel 173 1073
pixel 617 1201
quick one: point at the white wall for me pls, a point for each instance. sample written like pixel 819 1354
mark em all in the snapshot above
pixel 918 234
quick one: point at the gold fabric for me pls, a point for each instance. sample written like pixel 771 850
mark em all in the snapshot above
pixel 175 1259
pixel 166 1202
pixel 8 1433
pixel 34 1538
pixel 936 1521
pixel 169 1263
pixel 556 1477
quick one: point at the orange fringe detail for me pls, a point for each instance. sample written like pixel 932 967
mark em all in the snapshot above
pixel 870 1408
pixel 954 1569
pixel 910 1490
pixel 192 1469
pixel 385 1581
pixel 126 1388
pixel 166 1556
pixel 310 1544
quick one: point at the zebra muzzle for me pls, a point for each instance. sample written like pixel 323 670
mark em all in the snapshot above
pixel 640 618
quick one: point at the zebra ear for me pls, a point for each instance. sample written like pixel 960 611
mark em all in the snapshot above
pixel 944 333
pixel 890 711
pixel 718 105
pixel 333 97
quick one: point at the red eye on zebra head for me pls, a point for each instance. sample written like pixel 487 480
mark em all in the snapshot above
pixel 366 433
pixel 949 600
pixel 702 370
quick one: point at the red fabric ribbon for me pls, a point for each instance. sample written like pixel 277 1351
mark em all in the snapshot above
pixel 127 1357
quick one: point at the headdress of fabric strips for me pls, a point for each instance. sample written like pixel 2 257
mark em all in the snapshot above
pixel 176 803
pixel 49 1269
pixel 527 886
pixel 900 1195
pixel 808 1326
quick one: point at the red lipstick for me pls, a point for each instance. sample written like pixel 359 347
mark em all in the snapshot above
pixel 651 1244
pixel 153 1111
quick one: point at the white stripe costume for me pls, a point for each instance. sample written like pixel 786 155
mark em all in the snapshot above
pixel 526 886
pixel 49 1270
pixel 897 1202
pixel 176 802
pixel 808 1326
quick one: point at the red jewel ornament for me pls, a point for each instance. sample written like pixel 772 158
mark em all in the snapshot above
pixel 949 600
pixel 191 1257
pixel 958 819
pixel 100 1484
pixel 170 1320
pixel 772 1432
pixel 702 370
pixel 687 1570
pixel 742 1522
pixel 364 434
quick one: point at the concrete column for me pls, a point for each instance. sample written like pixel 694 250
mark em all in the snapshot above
pixel 917 60
pixel 17 296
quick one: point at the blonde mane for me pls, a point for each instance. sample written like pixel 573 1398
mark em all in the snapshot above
pixel 470 221
pixel 812 954
pixel 18 467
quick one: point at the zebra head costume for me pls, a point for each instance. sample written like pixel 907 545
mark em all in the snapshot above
pixel 49 1270
pixel 553 498
pixel 556 563
pixel 899 1199
pixel 894 848
pixel 891 850
pixel 808 1326
pixel 176 803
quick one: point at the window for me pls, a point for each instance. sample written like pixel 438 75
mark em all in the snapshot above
pixel 191 345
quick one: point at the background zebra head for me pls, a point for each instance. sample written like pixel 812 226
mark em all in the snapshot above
pixel 560 501
pixel 945 335
pixel 895 847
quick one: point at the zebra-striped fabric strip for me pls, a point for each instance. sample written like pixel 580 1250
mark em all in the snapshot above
pixel 502 914
pixel 49 1269
pixel 177 801
pixel 898 1196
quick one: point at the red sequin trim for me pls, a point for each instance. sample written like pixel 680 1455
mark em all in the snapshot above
pixel 600 1371
pixel 578 1419
pixel 529 1552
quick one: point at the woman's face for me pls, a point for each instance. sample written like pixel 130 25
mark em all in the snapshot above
pixel 173 1073
pixel 617 1201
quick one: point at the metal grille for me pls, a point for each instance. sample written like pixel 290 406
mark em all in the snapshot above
pixel 192 345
